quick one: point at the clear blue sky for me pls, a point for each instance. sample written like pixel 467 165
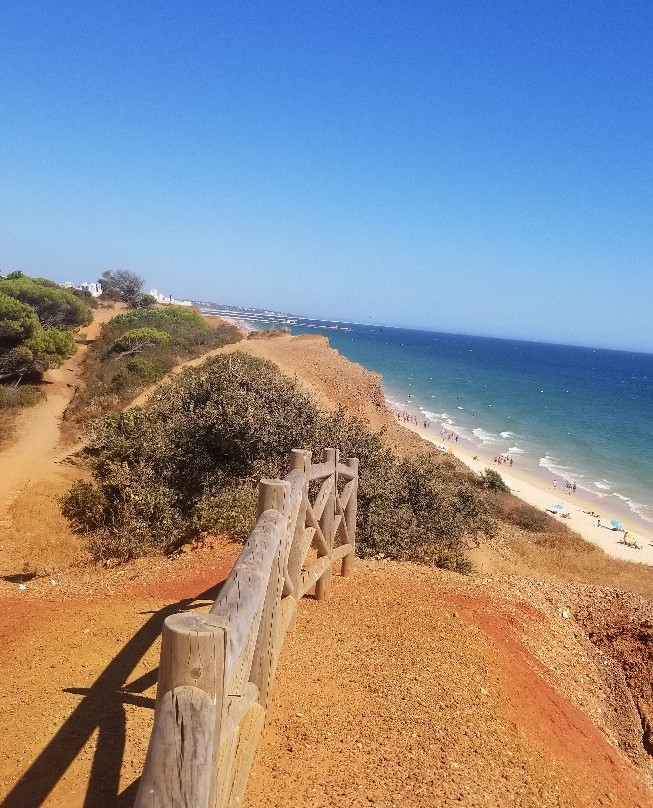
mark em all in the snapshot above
pixel 481 167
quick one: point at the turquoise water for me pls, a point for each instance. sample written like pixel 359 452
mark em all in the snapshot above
pixel 579 414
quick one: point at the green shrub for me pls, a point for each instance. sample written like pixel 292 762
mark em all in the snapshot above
pixel 55 306
pixel 24 395
pixel 190 462
pixel 229 510
pixel 135 350
pixel 493 481
pixel 26 347
pixel 137 340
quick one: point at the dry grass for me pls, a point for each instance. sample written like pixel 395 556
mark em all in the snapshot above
pixel 13 400
pixel 37 535
pixel 566 556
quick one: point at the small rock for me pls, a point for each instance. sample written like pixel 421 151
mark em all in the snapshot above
pixel 22 587
pixel 565 614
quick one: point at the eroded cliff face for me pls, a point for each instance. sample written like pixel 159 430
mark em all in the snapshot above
pixel 620 626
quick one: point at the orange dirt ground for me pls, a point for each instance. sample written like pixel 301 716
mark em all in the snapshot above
pixel 410 686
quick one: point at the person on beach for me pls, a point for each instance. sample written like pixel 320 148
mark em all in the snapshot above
pixel 555 483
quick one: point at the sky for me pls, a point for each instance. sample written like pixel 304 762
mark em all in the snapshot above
pixel 479 167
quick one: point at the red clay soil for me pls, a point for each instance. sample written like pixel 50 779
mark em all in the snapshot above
pixel 543 712
pixel 403 691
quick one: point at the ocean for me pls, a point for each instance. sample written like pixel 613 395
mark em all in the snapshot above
pixel 562 412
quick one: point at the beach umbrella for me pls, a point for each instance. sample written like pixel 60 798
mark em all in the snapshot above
pixel 558 507
pixel 616 524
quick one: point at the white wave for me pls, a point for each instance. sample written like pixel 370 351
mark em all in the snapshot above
pixel 432 416
pixel 461 408
pixel 509 435
pixel 483 436
pixel 548 463
pixel 643 511
pixel 603 486
pixel 515 450
pixel 631 502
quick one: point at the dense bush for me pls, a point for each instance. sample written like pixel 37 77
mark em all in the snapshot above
pixel 55 306
pixel 191 460
pixel 138 340
pixel 135 350
pixel 126 287
pixel 26 347
pixel 493 481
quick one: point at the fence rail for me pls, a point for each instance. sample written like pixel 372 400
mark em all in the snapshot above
pixel 216 669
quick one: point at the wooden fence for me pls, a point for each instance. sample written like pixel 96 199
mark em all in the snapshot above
pixel 216 669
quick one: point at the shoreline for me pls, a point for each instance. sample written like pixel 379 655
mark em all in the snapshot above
pixel 535 490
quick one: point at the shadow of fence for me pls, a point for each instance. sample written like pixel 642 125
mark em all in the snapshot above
pixel 101 709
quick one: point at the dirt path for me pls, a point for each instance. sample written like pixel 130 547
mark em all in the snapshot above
pixel 32 455
pixel 33 532
pixel 410 687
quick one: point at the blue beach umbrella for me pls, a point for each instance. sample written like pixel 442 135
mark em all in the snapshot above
pixel 616 524
pixel 559 507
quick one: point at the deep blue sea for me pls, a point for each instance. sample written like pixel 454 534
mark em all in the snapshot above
pixel 582 414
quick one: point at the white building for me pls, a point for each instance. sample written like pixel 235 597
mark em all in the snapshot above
pixel 93 288
pixel 161 298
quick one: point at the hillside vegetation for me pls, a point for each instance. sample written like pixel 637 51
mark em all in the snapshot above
pixel 189 463
pixel 37 318
pixel 136 349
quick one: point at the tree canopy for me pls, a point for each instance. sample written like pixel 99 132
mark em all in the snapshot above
pixel 124 286
pixel 25 346
pixel 55 306
pixel 138 340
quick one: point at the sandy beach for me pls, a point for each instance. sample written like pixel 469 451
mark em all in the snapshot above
pixel 543 495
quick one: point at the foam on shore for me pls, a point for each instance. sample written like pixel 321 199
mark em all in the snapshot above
pixel 542 494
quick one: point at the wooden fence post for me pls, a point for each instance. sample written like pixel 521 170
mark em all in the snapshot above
pixel 272 494
pixel 327 525
pixel 299 459
pixel 350 520
pixel 181 764
pixel 193 652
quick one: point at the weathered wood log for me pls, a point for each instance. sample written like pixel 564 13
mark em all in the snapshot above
pixel 178 769
pixel 346 493
pixel 296 521
pixel 323 497
pixel 319 540
pixel 345 471
pixel 271 494
pixel 351 508
pixel 226 756
pixel 344 551
pixel 243 594
pixel 248 738
pixel 320 470
pixel 323 585
pixel 193 652
pixel 300 460
pixel 311 575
